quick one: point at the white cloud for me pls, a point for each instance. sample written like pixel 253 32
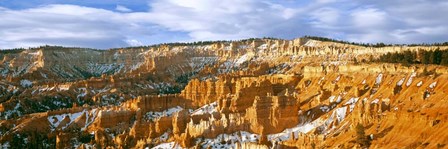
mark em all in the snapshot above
pixel 134 42
pixel 68 25
pixel 217 19
pixel 412 21
pixel 368 18
pixel 122 8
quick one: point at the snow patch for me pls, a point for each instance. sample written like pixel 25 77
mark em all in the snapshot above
pixel 209 108
pixel 303 128
pixel 419 83
pixel 325 108
pixel 169 145
pixel 55 120
pixel 242 59
pixel 379 78
pixel 411 78
pixel 26 83
pixel 432 85
pixel 230 140
pixel 166 113
pixel 399 83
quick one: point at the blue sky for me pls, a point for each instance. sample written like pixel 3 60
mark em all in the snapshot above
pixel 120 23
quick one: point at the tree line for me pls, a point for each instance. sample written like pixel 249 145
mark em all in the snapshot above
pixel 436 57
pixel 377 45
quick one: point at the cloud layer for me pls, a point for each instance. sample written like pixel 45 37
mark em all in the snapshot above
pixel 400 21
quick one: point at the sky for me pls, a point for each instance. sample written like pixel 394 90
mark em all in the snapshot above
pixel 121 23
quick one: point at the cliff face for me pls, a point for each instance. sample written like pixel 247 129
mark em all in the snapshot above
pixel 259 93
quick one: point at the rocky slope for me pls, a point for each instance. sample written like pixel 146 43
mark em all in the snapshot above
pixel 258 93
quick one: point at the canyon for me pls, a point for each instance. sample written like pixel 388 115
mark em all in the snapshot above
pixel 254 93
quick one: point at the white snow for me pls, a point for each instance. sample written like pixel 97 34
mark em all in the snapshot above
pixel 263 46
pixel 339 99
pixel 230 140
pixel 209 108
pixel 325 108
pixel 340 113
pixel 35 53
pixel 166 113
pixel 419 83
pixel 411 78
pixel 337 79
pixel 83 92
pixel 363 81
pixel 242 59
pixel 399 83
pixel 379 78
pixel 5 145
pixel 26 83
pixel 56 119
pixel 89 120
pixel 164 137
pixel 375 101
pixel 432 85
pixel 331 98
pixel 169 145
pixel 311 43
pixel 303 128
pixel 351 101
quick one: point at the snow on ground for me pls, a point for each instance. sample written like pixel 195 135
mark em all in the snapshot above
pixel 419 83
pixel 7 114
pixel 5 145
pixel 303 128
pixel 352 102
pixel 242 59
pixel 89 120
pixel 379 79
pixel 339 99
pixel 337 79
pixel 263 46
pixel 209 108
pixel 325 108
pixel 411 78
pixel 230 140
pixel 56 119
pixel 26 83
pixel 399 83
pixel 432 85
pixel 164 137
pixel 169 145
pixel 83 92
pixel 375 101
pixel 311 43
pixel 166 113
pixel 340 113
pixel 331 98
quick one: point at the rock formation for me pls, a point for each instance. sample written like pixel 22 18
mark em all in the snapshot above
pixel 258 93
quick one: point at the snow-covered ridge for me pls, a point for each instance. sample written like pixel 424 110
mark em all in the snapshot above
pixel 55 120
pixel 209 108
pixel 230 140
pixel 166 113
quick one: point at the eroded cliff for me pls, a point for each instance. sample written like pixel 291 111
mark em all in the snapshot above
pixel 259 93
